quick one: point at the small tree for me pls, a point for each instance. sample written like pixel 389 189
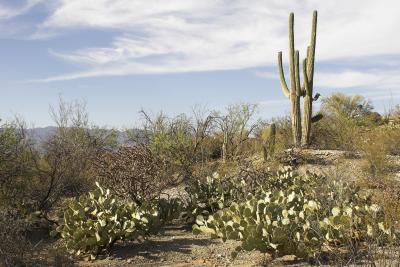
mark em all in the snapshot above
pixel 236 126
pixel 354 107
pixel 64 162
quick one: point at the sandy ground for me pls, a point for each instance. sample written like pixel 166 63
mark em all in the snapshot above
pixel 178 247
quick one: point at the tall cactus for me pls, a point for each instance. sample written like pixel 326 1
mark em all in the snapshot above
pixel 308 83
pixel 294 92
pixel 301 133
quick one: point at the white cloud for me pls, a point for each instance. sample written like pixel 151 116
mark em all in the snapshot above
pixel 8 11
pixel 378 79
pixel 348 79
pixel 156 36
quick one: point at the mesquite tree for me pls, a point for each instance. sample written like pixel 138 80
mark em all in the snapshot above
pixel 301 127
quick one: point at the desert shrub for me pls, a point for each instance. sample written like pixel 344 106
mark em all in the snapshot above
pixel 387 193
pixel 180 140
pixel 391 135
pixel 277 142
pixel 374 146
pixel 15 249
pixel 18 178
pixel 133 173
pixel 283 133
pixel 95 221
pixel 335 133
pixel 36 173
pixel 293 215
pixel 66 154
pixel 235 127
pixel 342 117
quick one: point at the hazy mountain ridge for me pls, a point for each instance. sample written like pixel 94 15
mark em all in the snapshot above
pixel 42 133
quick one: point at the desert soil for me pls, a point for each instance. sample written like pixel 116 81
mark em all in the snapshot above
pixel 178 247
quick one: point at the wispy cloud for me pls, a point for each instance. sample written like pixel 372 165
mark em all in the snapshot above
pixel 11 11
pixel 155 36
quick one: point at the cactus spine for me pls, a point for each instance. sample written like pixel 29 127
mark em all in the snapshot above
pixel 301 133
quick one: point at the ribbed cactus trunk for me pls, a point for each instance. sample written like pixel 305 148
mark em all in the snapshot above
pixel 294 93
pixel 308 83
pixel 301 126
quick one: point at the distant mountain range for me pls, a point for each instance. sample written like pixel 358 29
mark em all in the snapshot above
pixel 42 133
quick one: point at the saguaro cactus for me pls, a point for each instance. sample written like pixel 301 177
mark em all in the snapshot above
pixel 293 93
pixel 308 83
pixel 301 134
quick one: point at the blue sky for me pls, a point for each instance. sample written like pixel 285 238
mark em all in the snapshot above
pixel 123 55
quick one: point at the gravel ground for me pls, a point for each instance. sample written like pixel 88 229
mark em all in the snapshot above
pixel 179 247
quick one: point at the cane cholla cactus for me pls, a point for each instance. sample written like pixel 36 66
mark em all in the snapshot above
pixel 268 142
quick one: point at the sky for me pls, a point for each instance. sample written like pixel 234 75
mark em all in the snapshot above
pixel 120 56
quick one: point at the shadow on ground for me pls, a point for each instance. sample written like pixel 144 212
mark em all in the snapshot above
pixel 177 239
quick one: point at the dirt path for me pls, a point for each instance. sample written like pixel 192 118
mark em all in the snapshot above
pixel 178 247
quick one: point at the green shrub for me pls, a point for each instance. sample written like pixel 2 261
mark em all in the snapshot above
pixel 343 118
pixel 94 222
pixel 296 215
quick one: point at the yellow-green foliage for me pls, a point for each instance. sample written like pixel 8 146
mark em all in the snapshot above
pixel 376 144
pixel 293 216
pixel 268 137
pixel 343 119
pixel 95 221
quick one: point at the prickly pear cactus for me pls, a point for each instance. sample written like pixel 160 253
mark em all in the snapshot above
pixel 291 216
pixel 211 195
pixel 94 222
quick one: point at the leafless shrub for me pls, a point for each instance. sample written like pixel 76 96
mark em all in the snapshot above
pixel 181 140
pixel 132 172
pixel 66 155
